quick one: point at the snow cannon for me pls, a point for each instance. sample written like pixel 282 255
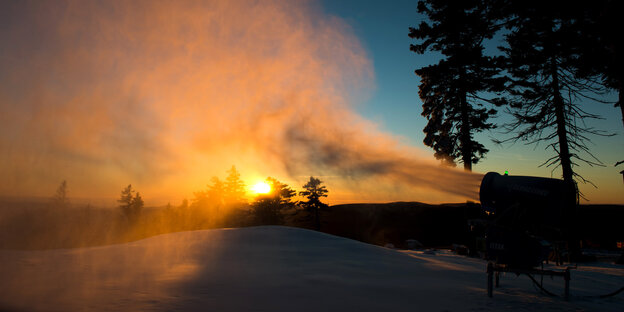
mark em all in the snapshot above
pixel 525 215
pixel 542 200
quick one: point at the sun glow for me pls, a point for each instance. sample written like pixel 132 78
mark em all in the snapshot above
pixel 261 188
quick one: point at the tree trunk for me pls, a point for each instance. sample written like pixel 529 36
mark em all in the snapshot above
pixel 465 140
pixel 562 133
pixel 574 247
pixel 620 101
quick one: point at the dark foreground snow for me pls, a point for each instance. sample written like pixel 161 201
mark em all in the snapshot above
pixel 276 269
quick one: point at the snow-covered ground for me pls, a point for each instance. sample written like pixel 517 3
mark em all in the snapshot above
pixel 277 269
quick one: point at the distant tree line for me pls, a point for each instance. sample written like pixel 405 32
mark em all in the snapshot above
pixel 554 56
pixel 58 223
pixel 224 203
pixel 41 225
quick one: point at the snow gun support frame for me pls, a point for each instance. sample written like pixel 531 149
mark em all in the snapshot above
pixel 494 270
pixel 524 215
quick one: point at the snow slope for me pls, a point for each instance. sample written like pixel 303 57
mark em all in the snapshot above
pixel 276 269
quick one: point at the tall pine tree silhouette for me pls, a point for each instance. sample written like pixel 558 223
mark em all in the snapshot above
pixel 543 58
pixel 60 199
pixel 456 89
pixel 234 188
pixel 314 190
pixel 131 203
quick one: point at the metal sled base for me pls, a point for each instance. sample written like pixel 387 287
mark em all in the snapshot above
pixel 493 272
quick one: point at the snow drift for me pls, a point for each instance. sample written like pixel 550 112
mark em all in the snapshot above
pixel 272 268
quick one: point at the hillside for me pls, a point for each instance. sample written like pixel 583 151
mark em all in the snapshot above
pixel 34 224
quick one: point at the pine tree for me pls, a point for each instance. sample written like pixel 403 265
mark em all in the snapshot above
pixel 314 190
pixel 137 204
pixel 60 199
pixel 542 57
pixel 216 192
pixel 453 90
pixel 130 204
pixel 234 188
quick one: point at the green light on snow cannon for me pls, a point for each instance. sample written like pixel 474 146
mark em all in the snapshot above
pixel 506 172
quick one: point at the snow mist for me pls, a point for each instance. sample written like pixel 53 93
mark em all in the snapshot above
pixel 165 95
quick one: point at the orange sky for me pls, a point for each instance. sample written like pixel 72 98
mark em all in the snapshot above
pixel 166 94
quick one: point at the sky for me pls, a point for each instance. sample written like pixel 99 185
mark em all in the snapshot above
pixel 165 95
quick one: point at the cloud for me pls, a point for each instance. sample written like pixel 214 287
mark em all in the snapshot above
pixel 166 94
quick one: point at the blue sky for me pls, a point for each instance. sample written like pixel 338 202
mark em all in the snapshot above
pixel 382 28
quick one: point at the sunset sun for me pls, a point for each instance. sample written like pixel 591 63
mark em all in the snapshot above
pixel 261 188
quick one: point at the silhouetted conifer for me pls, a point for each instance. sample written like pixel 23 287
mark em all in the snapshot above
pixel 455 89
pixel 130 204
pixel 60 199
pixel 234 188
pixel 543 58
pixel 314 190
pixel 137 203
